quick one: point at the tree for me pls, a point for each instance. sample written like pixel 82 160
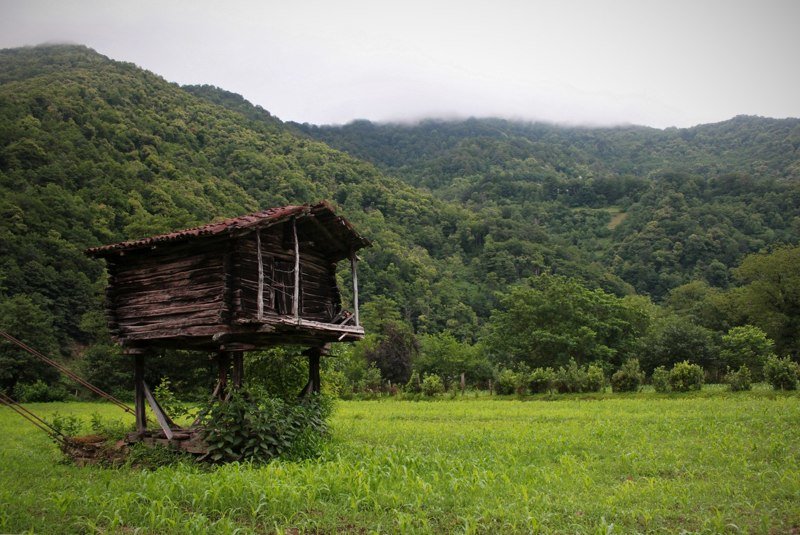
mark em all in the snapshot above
pixel 745 346
pixel 394 353
pixel 770 295
pixel 673 339
pixel 26 321
pixel 552 319
pixel 441 354
pixel 391 345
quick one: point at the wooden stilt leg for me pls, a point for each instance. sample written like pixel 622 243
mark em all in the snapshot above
pixel 313 385
pixel 313 370
pixel 223 363
pixel 237 375
pixel 139 396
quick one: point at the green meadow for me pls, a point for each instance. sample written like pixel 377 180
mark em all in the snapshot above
pixel 711 462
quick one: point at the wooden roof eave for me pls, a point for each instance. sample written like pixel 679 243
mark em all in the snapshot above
pixel 343 248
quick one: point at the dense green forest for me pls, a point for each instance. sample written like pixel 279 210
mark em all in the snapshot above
pixel 657 208
pixel 663 235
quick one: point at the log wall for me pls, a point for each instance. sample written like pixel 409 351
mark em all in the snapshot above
pixel 165 293
pixel 187 291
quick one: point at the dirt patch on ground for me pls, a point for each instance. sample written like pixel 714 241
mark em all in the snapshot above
pixel 95 449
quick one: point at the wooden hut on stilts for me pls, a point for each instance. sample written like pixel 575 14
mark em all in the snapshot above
pixel 229 287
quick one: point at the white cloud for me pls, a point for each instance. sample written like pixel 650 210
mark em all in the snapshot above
pixel 581 61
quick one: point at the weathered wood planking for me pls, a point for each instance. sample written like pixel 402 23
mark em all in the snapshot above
pixel 202 287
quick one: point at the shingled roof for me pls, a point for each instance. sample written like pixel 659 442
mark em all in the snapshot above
pixel 322 211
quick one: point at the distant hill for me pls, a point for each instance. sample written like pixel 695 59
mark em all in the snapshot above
pixel 686 203
pixel 753 145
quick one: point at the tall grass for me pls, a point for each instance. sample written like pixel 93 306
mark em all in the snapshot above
pixel 710 463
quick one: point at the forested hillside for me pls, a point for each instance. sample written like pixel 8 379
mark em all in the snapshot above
pixel 678 204
pixel 94 151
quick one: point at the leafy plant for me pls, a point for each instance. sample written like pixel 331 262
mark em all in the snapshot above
pixel 745 345
pixel 432 385
pixel 506 382
pixel 660 379
pixel 595 378
pixel 69 426
pixel 685 376
pixel 740 379
pixel 109 428
pixel 372 381
pixel 628 378
pixel 335 383
pixel 252 426
pixel 142 456
pixel 414 384
pixel 781 373
pixel 509 381
pixel 168 401
pixel 573 378
pixel 541 380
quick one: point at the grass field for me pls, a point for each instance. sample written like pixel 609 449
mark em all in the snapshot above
pixel 710 462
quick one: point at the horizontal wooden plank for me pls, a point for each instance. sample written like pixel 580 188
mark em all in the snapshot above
pixel 175 323
pixel 186 332
pixel 169 295
pixel 167 264
pixel 137 276
pixel 163 310
pixel 196 278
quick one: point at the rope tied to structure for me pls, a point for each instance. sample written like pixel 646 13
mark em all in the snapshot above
pixel 32 418
pixel 66 371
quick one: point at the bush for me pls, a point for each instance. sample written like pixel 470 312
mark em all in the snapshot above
pixel 252 426
pixel 782 374
pixel 628 378
pixel 595 378
pixel 660 379
pixel 739 380
pixel 414 384
pixel 541 380
pixel 69 426
pixel 372 381
pixel 432 385
pixel 685 376
pixel 334 383
pixel 39 391
pixel 506 382
pixel 573 378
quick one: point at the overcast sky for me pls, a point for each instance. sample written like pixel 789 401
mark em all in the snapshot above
pixel 658 63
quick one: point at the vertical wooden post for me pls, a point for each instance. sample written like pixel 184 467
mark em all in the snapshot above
pixel 313 369
pixel 463 383
pixel 139 396
pixel 260 298
pixel 354 273
pixel 223 362
pixel 237 375
pixel 296 297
